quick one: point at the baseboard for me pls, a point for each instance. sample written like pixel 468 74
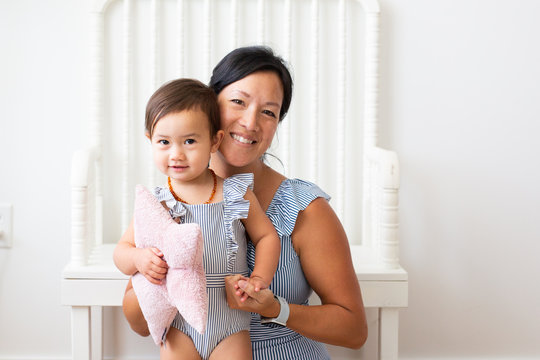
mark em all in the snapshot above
pixel 468 358
pixel 2 357
pixel 69 358
pixel 30 357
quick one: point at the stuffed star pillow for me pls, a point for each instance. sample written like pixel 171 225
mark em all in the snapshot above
pixel 184 288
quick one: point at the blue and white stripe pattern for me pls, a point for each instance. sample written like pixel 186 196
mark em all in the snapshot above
pixel 224 254
pixel 272 341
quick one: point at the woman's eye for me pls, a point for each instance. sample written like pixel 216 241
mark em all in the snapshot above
pixel 189 141
pixel 163 142
pixel 269 113
pixel 238 101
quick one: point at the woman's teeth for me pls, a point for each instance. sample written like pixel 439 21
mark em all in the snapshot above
pixel 241 139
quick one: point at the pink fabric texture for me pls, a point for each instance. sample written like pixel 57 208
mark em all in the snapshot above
pixel 184 288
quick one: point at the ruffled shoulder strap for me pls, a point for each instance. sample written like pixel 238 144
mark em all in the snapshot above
pixel 292 196
pixel 234 189
pixel 235 208
pixel 176 208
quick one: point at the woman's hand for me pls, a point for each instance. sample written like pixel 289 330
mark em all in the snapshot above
pixel 241 295
pixel 150 263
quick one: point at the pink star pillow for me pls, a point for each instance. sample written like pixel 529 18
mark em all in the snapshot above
pixel 184 288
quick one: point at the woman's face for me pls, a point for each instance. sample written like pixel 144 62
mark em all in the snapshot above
pixel 250 109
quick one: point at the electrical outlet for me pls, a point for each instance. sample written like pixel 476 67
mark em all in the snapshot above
pixel 5 226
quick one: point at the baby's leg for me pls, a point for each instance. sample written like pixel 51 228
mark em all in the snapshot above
pixel 133 312
pixel 235 346
pixel 178 346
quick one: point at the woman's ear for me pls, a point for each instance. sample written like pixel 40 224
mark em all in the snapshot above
pixel 147 134
pixel 216 140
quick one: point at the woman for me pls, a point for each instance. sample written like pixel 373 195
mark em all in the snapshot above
pixel 254 89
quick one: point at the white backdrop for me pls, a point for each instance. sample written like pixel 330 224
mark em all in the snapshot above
pixel 460 103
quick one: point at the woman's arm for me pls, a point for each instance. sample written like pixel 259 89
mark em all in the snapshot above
pixel 323 248
pixel 267 245
pixel 322 245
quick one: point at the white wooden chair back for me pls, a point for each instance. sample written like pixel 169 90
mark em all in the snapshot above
pixel 329 136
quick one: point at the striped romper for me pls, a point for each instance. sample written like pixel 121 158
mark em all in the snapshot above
pixel 272 341
pixel 224 254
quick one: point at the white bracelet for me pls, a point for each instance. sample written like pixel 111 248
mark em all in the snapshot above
pixel 283 316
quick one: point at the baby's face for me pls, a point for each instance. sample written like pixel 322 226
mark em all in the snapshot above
pixel 182 144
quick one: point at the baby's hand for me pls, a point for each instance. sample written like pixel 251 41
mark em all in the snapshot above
pixel 257 282
pixel 150 263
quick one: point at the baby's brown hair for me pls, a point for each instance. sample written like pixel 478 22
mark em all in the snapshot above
pixel 179 95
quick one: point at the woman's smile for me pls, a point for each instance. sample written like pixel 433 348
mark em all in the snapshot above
pixel 242 139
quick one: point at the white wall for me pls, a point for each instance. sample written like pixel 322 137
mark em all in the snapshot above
pixel 41 101
pixel 463 105
pixel 460 104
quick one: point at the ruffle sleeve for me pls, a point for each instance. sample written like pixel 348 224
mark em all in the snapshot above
pixel 236 208
pixel 293 196
pixel 176 208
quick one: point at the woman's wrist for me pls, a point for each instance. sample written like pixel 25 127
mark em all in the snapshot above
pixel 273 310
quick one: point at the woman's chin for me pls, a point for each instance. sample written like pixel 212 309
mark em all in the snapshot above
pixel 237 156
pixel 239 160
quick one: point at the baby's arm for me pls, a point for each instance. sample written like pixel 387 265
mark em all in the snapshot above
pixel 267 244
pixel 148 261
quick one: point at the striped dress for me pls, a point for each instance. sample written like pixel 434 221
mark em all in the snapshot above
pixel 272 341
pixel 224 254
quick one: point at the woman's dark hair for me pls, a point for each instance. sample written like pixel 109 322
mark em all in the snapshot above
pixel 179 95
pixel 244 61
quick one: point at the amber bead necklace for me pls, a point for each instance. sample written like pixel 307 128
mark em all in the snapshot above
pixel 178 198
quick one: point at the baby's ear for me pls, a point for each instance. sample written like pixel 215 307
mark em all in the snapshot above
pixel 216 140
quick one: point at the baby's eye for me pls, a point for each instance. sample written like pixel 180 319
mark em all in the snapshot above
pixel 163 142
pixel 189 141
pixel 269 113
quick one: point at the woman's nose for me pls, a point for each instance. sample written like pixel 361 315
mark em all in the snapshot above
pixel 250 120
